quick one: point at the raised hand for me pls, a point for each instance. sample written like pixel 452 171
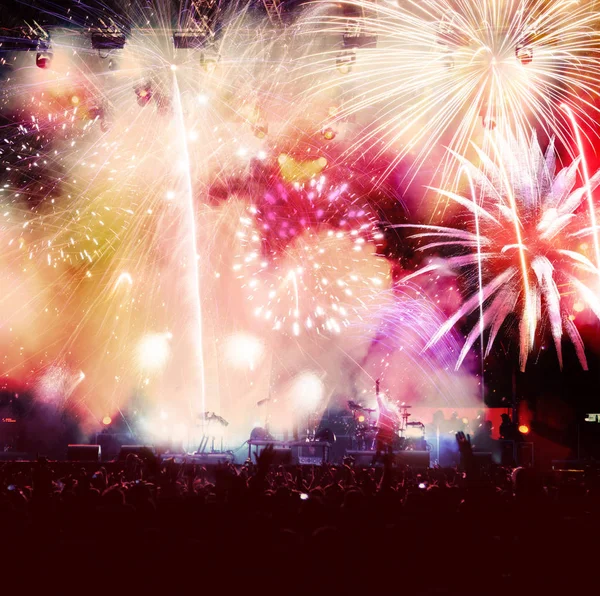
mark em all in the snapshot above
pixel 464 443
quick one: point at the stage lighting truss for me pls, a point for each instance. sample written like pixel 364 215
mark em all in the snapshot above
pixel 356 31
pixel 357 37
pixel 19 40
pixel 107 40
pixel 345 61
pixel 27 40
pixel 274 10
pixel 193 39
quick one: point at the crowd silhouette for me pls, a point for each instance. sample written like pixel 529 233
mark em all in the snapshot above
pixel 480 529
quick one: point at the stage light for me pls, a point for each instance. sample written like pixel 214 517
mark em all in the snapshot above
pixel 244 351
pixel 524 429
pixel 328 133
pixel 307 391
pixel 361 418
pixel 524 54
pixel 106 420
pixel 153 351
pixel 345 61
pixel 261 129
pixel 144 94
pixel 209 62
pixel 43 58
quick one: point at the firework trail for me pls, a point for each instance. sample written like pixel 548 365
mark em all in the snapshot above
pixel 418 77
pixel 97 191
pixel 534 275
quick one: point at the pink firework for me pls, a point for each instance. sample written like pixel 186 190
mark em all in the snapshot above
pixel 523 247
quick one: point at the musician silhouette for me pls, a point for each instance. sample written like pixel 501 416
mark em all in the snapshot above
pixel 387 422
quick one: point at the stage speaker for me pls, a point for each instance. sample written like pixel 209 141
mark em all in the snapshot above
pixel 89 453
pixel 282 456
pixel 483 458
pixel 142 451
pixel 525 454
pixel 313 454
pixel 507 453
pixel 415 459
pixel 340 447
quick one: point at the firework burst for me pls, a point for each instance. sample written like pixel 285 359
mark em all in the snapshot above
pixel 308 256
pixel 420 76
pixel 525 252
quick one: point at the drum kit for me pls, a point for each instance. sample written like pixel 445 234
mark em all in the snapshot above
pixel 408 436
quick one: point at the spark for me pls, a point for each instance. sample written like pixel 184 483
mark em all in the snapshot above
pixel 441 72
pixel 521 273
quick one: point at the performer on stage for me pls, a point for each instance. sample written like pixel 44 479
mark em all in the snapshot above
pixel 388 421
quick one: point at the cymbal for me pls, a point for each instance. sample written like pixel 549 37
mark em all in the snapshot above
pixel 368 409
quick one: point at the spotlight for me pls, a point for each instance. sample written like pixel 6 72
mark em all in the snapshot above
pixel 328 134
pixel 260 129
pixel 209 62
pixel 106 420
pixel 524 54
pixel 144 94
pixel 345 61
pixel 524 429
pixel 43 60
